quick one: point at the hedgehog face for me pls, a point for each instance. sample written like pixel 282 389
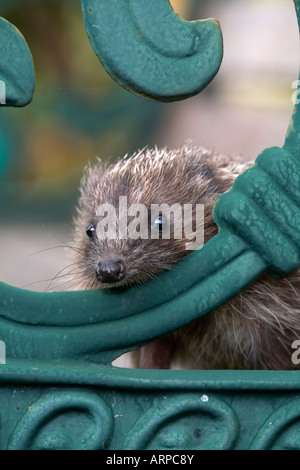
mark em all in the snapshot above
pixel 142 215
pixel 147 248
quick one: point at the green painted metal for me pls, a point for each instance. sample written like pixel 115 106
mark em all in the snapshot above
pixel 166 58
pixel 57 378
pixel 62 406
pixel 17 78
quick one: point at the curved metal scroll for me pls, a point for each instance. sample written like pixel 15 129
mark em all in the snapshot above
pixel 251 240
pixel 149 50
pixel 17 78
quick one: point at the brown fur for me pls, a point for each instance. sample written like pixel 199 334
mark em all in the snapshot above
pixel 254 330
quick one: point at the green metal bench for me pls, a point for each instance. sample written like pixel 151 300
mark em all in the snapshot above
pixel 58 387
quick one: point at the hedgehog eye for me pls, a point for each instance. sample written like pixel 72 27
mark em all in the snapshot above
pixel 91 231
pixel 160 223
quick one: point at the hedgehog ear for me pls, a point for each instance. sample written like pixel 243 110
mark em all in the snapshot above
pixel 92 175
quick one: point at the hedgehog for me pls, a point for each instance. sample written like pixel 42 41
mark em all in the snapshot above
pixel 253 330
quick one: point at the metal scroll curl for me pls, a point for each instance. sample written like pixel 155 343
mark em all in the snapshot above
pixel 185 422
pixel 280 429
pixel 64 420
pixel 151 51
pixel 17 77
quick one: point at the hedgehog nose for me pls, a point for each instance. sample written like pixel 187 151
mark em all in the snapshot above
pixel 110 270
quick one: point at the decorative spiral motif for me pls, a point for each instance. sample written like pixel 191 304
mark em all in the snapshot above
pixel 67 420
pixel 187 422
pixel 280 431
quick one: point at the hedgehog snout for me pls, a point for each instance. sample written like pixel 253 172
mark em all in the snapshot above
pixel 110 271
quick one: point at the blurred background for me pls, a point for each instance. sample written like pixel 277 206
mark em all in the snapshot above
pixel 78 112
